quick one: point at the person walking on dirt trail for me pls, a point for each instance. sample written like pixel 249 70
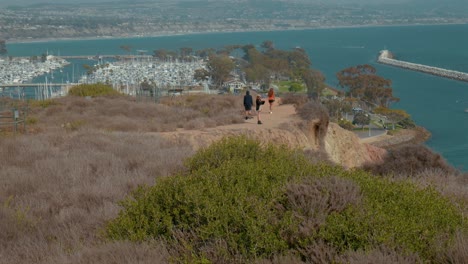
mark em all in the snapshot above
pixel 248 102
pixel 271 99
pixel 258 107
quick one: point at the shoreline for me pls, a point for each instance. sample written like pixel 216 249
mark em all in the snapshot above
pixel 417 135
pixel 166 34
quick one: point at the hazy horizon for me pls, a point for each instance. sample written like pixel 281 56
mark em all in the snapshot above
pixel 423 3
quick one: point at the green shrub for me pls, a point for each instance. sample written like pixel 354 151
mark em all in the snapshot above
pixel 229 194
pixel 92 90
pixel 253 198
pixel 348 125
pixel 74 125
pixel 394 214
pixel 295 87
pixel 43 103
pixel 407 123
pixel 31 120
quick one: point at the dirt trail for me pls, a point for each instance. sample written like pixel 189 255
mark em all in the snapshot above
pixel 281 114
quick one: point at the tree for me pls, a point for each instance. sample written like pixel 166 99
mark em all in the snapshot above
pixel 361 119
pixel 3 49
pixel 268 45
pixel 201 74
pixel 43 57
pixel 334 107
pixel 160 54
pixel 393 115
pixel 363 83
pixel 185 52
pixel 220 67
pixel 205 53
pixel 228 49
pixel 295 87
pixel 299 59
pixel 127 48
pixel 33 59
pixel 314 81
pixel 89 69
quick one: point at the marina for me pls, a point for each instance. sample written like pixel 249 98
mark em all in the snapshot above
pixel 127 76
pixel 23 77
pixel 20 70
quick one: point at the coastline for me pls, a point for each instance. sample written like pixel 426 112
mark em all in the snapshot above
pixel 169 34
pixel 417 135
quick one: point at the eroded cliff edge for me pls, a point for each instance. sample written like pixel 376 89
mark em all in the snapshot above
pixel 341 146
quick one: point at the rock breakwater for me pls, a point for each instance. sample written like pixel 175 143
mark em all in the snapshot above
pixel 386 57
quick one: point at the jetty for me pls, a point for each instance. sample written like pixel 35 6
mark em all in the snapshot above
pixel 386 57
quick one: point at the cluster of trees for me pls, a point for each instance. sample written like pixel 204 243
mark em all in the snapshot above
pixel 262 66
pixel 271 64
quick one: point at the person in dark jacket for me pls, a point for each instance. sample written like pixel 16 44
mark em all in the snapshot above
pixel 248 103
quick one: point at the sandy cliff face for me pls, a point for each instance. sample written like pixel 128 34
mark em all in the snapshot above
pixel 342 146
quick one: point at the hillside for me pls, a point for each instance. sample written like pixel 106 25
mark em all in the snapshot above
pixel 301 190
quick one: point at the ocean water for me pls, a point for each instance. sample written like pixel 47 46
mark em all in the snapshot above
pixel 435 103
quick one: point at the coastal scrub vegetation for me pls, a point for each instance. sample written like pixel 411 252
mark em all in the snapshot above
pixel 87 183
pixel 240 202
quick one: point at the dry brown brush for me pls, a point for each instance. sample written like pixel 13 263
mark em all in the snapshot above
pixel 124 113
pixel 59 188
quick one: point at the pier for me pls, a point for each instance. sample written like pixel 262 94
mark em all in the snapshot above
pixel 386 57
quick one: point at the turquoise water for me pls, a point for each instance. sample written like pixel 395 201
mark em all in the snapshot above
pixel 434 102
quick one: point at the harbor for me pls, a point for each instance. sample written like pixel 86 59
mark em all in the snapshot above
pixel 386 57
pixel 20 70
pixel 127 76
pixel 28 78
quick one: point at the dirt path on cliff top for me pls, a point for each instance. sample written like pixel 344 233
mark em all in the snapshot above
pixel 281 114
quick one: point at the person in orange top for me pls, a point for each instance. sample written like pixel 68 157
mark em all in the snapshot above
pixel 271 98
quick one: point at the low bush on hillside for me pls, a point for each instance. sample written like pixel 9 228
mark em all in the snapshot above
pixel 348 125
pixel 294 99
pixel 409 160
pixel 98 89
pixel 313 110
pixel 241 201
